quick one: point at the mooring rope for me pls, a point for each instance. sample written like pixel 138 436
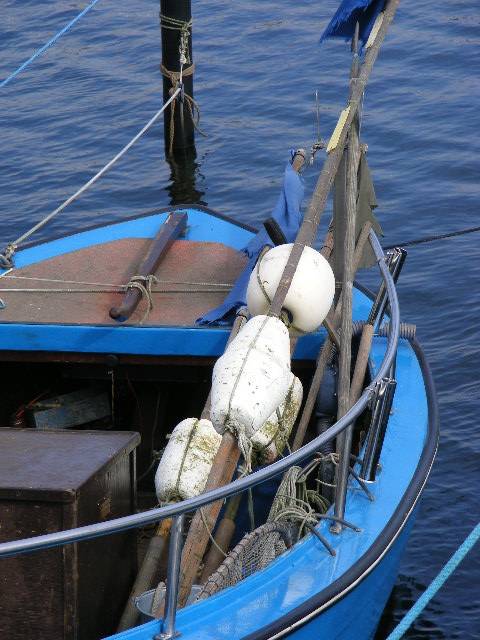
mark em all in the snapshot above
pixel 442 236
pixel 46 46
pixel 221 285
pixel 176 80
pixel 435 585
pixel 8 253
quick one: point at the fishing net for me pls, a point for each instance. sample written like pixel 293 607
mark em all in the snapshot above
pixel 254 552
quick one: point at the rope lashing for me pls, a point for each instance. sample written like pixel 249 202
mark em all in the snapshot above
pixel 193 107
pixel 46 46
pixel 435 585
pixel 8 253
pixel 144 285
pixel 167 22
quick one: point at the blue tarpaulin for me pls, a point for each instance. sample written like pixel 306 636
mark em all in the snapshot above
pixel 342 25
pixel 287 215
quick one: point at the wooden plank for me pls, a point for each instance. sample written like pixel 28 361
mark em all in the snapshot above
pixel 171 229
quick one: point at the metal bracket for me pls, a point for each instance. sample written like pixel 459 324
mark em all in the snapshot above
pixel 381 406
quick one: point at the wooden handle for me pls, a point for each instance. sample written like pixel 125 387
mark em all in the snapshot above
pixel 204 520
pixel 174 225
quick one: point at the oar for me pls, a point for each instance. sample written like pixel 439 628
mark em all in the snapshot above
pixel 170 230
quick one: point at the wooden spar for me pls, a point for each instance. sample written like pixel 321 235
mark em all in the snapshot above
pixel 171 229
pixel 308 230
pixel 325 351
pixel 146 573
pixel 338 225
pixel 223 537
pixel 345 439
pixel 224 467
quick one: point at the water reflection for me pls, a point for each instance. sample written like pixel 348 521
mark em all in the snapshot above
pixel 184 174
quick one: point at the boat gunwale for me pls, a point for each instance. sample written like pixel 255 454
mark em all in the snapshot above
pixel 339 589
pixel 151 213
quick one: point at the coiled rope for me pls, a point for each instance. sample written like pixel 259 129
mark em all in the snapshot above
pixel 435 585
pixel 8 253
pixel 46 46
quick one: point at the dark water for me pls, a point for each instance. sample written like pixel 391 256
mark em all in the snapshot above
pixel 258 65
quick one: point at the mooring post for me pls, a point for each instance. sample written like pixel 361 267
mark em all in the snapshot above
pixel 177 65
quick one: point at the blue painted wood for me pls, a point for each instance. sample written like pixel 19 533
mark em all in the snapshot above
pixel 307 569
pixel 158 341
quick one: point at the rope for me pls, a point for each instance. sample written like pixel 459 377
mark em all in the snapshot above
pixel 176 80
pixel 6 257
pixel 119 289
pixel 442 236
pixel 144 285
pixel 212 539
pixel 48 44
pixel 435 585
pixel 222 285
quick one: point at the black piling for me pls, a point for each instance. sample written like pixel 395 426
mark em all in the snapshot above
pixel 175 27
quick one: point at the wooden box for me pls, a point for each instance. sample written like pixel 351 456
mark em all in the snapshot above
pixel 55 480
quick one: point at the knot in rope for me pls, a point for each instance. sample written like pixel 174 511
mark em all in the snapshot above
pixel 193 108
pixel 144 285
pixel 6 257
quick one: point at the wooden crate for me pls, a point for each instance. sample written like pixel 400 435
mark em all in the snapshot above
pixel 55 480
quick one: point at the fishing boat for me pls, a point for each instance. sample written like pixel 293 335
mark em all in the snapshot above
pixel 295 530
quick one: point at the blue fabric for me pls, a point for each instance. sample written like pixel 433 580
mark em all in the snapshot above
pixel 342 25
pixel 288 216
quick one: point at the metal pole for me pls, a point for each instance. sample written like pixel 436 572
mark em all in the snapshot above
pixel 173 14
pixel 173 574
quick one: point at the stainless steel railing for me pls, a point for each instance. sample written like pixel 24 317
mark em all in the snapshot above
pixel 177 510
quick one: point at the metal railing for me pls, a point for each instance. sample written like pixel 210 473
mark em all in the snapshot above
pixel 177 510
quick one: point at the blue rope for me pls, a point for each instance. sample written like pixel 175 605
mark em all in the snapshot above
pixel 435 585
pixel 48 44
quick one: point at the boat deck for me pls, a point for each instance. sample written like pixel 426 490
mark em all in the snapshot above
pixel 74 299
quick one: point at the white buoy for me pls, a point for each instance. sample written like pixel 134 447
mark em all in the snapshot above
pixel 311 292
pixel 271 439
pixel 187 460
pixel 252 378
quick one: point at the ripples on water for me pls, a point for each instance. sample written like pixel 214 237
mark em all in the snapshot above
pixel 258 65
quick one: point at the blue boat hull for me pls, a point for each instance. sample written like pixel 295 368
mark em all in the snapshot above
pixel 305 593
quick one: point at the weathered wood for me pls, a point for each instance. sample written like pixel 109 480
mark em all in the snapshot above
pixel 361 363
pixel 146 574
pixel 344 440
pixel 171 229
pixel 308 230
pixel 339 220
pixel 223 537
pixel 204 520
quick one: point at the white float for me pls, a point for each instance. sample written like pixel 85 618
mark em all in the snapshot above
pixel 186 462
pixel 271 439
pixel 311 292
pixel 252 378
